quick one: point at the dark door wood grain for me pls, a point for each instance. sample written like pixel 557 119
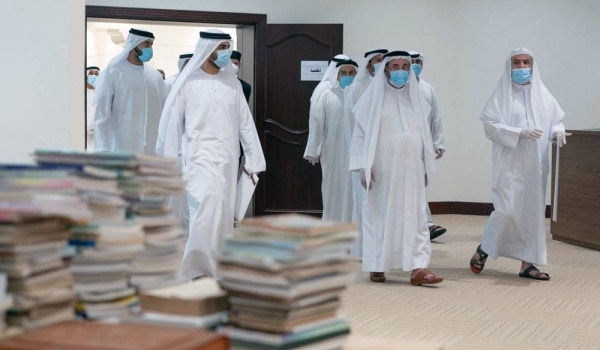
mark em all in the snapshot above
pixel 579 191
pixel 290 183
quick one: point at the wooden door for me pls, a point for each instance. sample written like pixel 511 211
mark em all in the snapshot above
pixel 290 183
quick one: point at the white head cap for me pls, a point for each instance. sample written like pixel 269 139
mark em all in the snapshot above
pixel 186 56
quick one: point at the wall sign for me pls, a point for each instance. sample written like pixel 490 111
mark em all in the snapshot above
pixel 312 70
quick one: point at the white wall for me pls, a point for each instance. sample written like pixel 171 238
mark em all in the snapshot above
pixel 41 98
pixel 465 43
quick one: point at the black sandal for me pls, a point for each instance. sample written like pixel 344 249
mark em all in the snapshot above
pixel 537 276
pixel 435 232
pixel 377 277
pixel 478 264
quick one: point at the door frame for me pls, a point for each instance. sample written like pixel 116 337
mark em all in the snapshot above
pixel 262 120
pixel 164 15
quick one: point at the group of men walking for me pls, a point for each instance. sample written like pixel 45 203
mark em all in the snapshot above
pixel 375 130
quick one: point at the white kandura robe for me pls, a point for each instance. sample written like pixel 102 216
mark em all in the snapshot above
pixel 400 237
pixel 517 228
pixel 179 203
pixel 90 114
pixel 355 91
pixel 170 81
pixel 91 108
pixel 211 114
pixel 435 124
pixel 127 117
pixel 329 130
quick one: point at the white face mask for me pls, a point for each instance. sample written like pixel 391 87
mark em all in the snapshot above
pixel 235 69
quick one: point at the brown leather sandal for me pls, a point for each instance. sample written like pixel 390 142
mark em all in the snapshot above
pixel 420 278
pixel 477 265
pixel 377 277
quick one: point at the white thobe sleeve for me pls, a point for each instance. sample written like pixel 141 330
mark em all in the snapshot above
pixel 354 96
pixel 316 129
pixel 435 123
pixel 503 135
pixel 357 149
pixel 255 159
pixel 171 129
pixel 103 115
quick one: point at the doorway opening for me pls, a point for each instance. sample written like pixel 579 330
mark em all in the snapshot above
pixel 176 32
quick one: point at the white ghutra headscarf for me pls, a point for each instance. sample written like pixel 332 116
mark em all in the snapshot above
pixel 368 115
pixel 207 44
pixel 136 37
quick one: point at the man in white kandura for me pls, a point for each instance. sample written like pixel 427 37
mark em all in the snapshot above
pixel 393 152
pixel 521 118
pixel 92 73
pixel 184 58
pixel 129 99
pixel 207 106
pixel 435 124
pixel 329 143
pixel 363 78
pixel 179 203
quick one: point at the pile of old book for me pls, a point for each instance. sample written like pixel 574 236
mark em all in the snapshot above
pixel 133 241
pixel 284 275
pixel 38 204
pixel 198 304
pixel 5 303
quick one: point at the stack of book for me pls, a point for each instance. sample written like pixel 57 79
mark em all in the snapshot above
pixel 198 304
pixel 284 275
pixel 117 256
pixel 156 180
pixel 5 303
pixel 37 206
pixel 101 266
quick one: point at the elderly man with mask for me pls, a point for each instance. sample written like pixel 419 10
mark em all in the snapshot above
pixel 207 106
pixel 184 58
pixel 521 118
pixel 393 153
pixel 129 96
pixel 328 141
pixel 435 124
pixel 352 94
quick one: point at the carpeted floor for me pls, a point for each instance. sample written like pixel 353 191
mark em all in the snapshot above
pixel 494 310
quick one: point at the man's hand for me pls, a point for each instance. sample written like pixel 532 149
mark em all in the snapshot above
pixel 531 134
pixel 440 153
pixel 561 138
pixel 312 160
pixel 363 180
pixel 250 175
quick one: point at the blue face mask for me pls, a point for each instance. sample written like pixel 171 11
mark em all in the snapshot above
pixel 146 55
pixel 417 68
pixel 346 81
pixel 223 59
pixel 398 78
pixel 376 67
pixel 91 79
pixel 521 75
